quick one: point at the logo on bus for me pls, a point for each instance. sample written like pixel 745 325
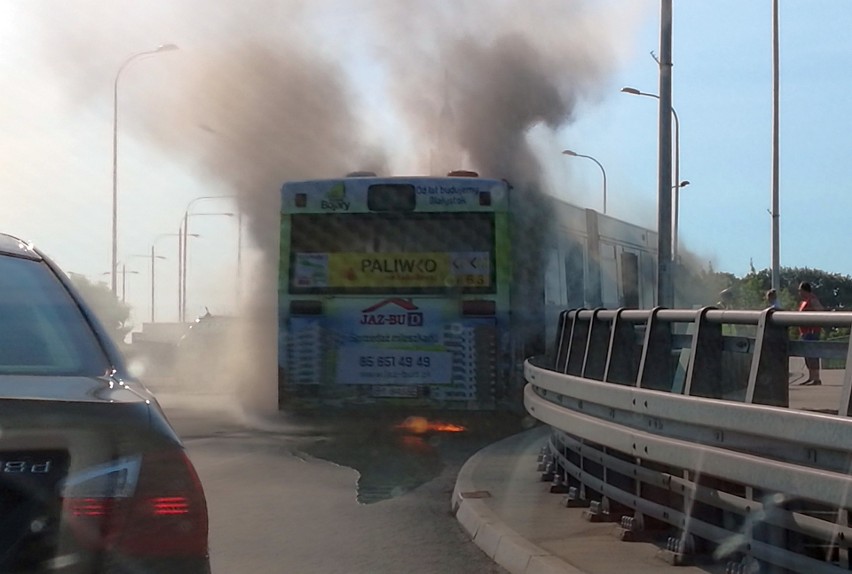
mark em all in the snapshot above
pixel 396 311
pixel 335 198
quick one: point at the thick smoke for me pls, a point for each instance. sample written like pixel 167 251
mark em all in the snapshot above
pixel 272 91
pixel 268 116
pixel 267 91
pixel 288 114
pixel 489 73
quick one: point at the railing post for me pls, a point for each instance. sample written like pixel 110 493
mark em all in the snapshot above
pixel 655 368
pixel 622 366
pixel 768 379
pixel 577 346
pixel 704 373
pixel 594 362
pixel 846 394
pixel 562 340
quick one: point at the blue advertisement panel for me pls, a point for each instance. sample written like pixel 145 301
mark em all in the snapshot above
pixel 389 343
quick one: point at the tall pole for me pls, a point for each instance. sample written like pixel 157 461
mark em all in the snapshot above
pixel 114 262
pixel 665 284
pixel 603 171
pixel 153 259
pixel 183 262
pixel 239 254
pixel 776 233
pixel 180 273
pixel 677 184
pixel 676 198
pixel 152 255
pixel 183 270
pixel 186 249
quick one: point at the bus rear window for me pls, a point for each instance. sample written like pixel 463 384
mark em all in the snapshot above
pixel 391 197
pixel 392 253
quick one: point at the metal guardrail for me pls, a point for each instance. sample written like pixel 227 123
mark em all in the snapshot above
pixel 678 423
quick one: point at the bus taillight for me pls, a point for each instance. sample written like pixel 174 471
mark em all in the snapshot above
pixel 479 307
pixel 305 307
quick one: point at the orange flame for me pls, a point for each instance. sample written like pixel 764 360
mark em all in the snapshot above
pixel 421 425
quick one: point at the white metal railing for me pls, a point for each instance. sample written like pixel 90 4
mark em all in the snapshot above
pixel 680 422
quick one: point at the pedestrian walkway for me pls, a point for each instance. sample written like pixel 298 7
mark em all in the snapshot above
pixel 500 500
pixel 513 517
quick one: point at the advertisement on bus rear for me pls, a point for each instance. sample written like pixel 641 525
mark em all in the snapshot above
pixel 391 270
pixel 391 342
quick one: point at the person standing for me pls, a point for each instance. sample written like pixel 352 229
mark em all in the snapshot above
pixel 726 299
pixel 809 302
pixel 771 298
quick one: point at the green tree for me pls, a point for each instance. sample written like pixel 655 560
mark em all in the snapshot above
pixel 114 314
pixel 833 289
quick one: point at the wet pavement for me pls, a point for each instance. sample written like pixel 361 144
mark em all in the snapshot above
pixel 392 457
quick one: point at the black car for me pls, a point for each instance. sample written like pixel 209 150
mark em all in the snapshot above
pixel 92 476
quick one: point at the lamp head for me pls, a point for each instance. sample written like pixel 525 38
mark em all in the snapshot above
pixel 166 48
pixel 629 90
pixel 569 152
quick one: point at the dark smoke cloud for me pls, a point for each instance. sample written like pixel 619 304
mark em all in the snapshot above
pixel 492 71
pixel 506 92
pixel 259 116
pixel 262 92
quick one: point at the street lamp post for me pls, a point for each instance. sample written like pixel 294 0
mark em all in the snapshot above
pixel 153 257
pixel 124 273
pixel 238 289
pixel 676 188
pixel 182 246
pixel 114 262
pixel 677 185
pixel 186 233
pixel 603 171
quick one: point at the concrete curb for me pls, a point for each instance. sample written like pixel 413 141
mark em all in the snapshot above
pixel 488 531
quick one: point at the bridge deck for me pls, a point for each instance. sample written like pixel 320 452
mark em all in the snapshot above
pixel 822 398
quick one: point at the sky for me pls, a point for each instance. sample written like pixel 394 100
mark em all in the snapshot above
pixel 263 91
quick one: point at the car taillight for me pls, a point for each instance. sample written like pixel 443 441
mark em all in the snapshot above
pixel 164 515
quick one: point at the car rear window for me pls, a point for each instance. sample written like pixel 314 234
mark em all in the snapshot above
pixel 42 330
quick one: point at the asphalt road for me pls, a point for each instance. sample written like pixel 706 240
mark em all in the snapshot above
pixel 346 494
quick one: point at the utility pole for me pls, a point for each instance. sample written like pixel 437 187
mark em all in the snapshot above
pixel 776 233
pixel 665 283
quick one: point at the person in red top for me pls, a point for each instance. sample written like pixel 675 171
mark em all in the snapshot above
pixel 810 302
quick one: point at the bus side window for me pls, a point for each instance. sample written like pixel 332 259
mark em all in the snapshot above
pixel 575 274
pixel 648 269
pixel 553 291
pixel 609 276
pixel 630 280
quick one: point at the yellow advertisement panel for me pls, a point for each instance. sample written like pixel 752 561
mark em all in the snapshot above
pixel 429 269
